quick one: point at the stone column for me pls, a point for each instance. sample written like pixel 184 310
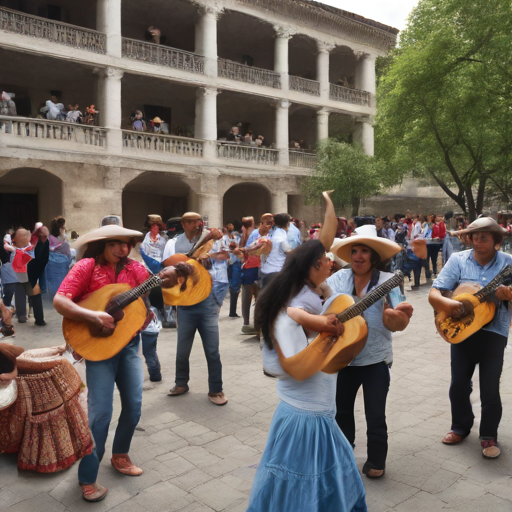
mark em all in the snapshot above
pixel 279 202
pixel 363 134
pixel 206 118
pixel 282 36
pixel 281 131
pixel 206 36
pixel 322 125
pixel 108 21
pixel 365 72
pixel 210 201
pixel 109 106
pixel 322 67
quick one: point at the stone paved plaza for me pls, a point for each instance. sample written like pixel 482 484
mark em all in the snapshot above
pixel 201 458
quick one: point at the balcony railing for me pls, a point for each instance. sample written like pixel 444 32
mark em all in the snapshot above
pixel 54 31
pixel 163 55
pixel 248 74
pixel 248 154
pixel 304 85
pixel 54 130
pixel 160 143
pixel 302 159
pixel 347 95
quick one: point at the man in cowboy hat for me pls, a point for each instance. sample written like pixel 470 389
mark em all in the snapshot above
pixel 486 347
pixel 368 255
pixel 203 317
pixel 103 260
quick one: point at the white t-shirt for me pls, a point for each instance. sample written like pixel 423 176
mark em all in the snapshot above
pixel 277 256
pixel 318 393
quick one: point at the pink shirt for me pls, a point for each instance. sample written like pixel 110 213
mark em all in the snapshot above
pixel 86 277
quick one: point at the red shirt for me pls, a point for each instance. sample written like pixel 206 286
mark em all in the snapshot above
pixel 439 230
pixel 86 277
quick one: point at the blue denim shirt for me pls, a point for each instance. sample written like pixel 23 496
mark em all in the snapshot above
pixel 462 268
pixel 379 343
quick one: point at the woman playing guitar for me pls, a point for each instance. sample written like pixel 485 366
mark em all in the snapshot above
pixel 106 262
pixel 485 347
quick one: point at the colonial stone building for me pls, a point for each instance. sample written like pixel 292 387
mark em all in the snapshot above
pixel 285 69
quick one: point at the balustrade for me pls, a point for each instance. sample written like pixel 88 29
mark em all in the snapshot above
pixel 347 95
pixel 302 159
pixel 54 130
pixel 248 74
pixel 304 85
pixel 54 31
pixel 160 143
pixel 249 154
pixel 162 55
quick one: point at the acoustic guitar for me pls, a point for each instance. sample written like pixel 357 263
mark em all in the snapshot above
pixel 124 305
pixel 333 353
pixel 479 309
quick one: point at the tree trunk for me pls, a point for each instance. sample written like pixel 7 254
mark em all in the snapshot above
pixel 356 202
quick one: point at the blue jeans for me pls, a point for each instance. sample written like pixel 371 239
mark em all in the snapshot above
pixel 125 370
pixel 235 277
pixel 219 291
pixel 149 340
pixel 203 317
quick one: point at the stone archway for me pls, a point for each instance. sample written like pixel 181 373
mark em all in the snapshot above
pixel 27 196
pixel 159 193
pixel 245 199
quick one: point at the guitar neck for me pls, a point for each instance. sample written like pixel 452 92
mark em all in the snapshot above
pixel 132 295
pixel 491 287
pixel 371 298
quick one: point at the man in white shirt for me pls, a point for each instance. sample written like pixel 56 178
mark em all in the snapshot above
pixel 280 247
pixel 416 227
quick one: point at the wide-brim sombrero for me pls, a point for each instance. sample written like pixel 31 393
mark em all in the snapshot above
pixel 480 225
pixel 109 232
pixel 366 235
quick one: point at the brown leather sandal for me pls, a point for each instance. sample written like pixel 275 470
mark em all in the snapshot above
pixel 93 492
pixel 452 438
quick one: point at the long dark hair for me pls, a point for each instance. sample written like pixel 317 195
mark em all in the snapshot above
pixel 57 223
pixel 288 283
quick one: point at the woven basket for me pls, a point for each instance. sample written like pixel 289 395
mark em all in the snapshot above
pixel 40 359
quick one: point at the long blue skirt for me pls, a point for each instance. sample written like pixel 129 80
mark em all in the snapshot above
pixel 307 466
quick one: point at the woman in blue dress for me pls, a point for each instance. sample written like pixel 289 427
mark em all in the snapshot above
pixel 308 465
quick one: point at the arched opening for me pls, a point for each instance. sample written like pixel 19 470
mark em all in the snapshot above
pixel 159 193
pixel 28 196
pixel 302 57
pixel 342 67
pixel 245 199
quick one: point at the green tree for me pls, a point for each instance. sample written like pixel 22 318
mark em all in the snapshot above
pixel 346 169
pixel 445 100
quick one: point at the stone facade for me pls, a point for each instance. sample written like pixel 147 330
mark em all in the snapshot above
pixel 281 70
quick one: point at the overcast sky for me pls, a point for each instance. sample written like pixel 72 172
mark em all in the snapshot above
pixel 390 12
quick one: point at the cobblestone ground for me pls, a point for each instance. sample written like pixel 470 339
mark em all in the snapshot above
pixel 198 457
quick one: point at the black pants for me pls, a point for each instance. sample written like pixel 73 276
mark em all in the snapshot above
pixel 486 349
pixel 375 381
pixel 432 254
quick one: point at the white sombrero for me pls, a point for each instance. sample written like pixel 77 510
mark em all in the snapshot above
pixel 109 232
pixel 366 235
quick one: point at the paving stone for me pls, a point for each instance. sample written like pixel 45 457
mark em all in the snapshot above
pixel 163 496
pixel 439 481
pixel 42 501
pixel 191 479
pixel 218 495
pixel 421 502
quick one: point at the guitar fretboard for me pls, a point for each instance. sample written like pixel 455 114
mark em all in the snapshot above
pixel 371 298
pixel 492 286
pixel 128 297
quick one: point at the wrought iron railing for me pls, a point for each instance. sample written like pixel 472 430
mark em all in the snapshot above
pixel 347 95
pixel 304 85
pixel 53 130
pixel 249 154
pixel 248 74
pixel 161 143
pixel 54 31
pixel 306 159
pixel 162 55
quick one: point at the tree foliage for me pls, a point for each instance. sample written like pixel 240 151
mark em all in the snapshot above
pixel 346 169
pixel 445 100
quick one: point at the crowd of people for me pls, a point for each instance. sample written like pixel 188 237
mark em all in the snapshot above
pixel 310 287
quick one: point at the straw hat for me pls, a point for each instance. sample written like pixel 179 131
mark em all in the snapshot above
pixel 366 235
pixel 8 389
pixel 109 232
pixel 191 216
pixel 486 224
pixel 156 120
